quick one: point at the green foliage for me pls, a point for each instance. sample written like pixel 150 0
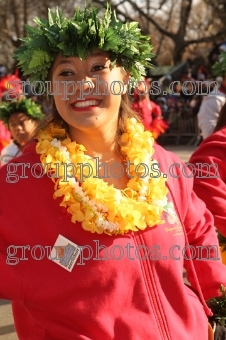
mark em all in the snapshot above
pixel 79 36
pixel 27 106
pixel 218 307
pixel 219 68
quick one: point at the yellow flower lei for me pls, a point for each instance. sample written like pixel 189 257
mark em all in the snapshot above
pixel 100 207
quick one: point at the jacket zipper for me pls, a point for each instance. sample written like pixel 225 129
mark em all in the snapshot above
pixel 156 311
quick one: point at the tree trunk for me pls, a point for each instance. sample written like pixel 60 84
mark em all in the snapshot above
pixel 178 51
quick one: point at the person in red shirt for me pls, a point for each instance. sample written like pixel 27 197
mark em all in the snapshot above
pixel 96 221
pixel 149 111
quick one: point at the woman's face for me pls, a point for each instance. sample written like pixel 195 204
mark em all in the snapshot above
pixel 143 87
pixel 21 127
pixel 88 93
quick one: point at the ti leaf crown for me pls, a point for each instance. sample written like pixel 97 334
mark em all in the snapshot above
pixel 79 36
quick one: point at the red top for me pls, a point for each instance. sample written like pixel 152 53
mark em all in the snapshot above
pixel 131 287
pixel 148 111
pixel 212 190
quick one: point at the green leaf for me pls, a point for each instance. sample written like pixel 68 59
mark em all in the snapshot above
pixel 51 17
pixel 40 22
pixel 39 57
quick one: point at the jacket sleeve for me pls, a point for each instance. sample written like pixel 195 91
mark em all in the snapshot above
pixel 209 162
pixel 203 245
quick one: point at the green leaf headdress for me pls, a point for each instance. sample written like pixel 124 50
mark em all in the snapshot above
pixel 79 36
pixel 27 106
pixel 219 68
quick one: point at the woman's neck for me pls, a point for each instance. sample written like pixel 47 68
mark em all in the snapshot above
pixel 98 143
pixel 102 144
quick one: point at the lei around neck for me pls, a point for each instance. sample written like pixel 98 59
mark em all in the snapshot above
pixel 80 36
pixel 100 207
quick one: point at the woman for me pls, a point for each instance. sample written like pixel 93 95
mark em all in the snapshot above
pixel 21 118
pixel 148 110
pixel 103 259
pixel 210 179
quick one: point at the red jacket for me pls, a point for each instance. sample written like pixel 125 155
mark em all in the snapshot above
pixel 131 287
pixel 212 190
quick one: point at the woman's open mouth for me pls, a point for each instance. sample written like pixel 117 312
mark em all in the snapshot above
pixel 85 104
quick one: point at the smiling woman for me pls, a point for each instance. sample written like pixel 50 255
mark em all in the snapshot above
pixel 89 107
pixel 81 219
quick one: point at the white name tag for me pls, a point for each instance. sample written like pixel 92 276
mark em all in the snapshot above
pixel 65 253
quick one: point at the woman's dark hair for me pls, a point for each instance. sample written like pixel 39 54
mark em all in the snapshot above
pixel 221 122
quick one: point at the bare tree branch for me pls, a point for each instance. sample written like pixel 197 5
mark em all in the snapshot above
pixel 142 13
pixel 167 26
pixel 185 10
pixel 153 21
pixel 205 39
pixel 177 23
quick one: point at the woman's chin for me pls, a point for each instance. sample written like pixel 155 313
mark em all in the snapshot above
pixel 88 122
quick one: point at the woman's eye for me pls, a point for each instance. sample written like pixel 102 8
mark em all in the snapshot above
pixel 66 73
pixel 98 68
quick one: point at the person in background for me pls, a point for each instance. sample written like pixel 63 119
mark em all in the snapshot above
pixel 187 87
pixel 209 161
pixel 149 111
pixel 162 102
pixel 213 102
pixel 21 118
pixel 195 104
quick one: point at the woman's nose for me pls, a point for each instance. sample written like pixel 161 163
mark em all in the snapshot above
pixel 85 87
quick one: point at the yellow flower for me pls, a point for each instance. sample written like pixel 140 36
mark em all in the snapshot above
pixel 100 207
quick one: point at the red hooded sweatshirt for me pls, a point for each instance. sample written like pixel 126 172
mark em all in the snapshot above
pixel 210 179
pixel 121 287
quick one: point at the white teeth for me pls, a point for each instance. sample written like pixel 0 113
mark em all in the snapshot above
pixel 87 103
